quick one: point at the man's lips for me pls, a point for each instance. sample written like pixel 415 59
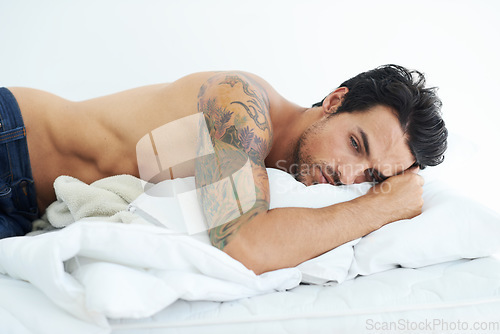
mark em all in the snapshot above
pixel 318 176
pixel 326 177
pixel 331 177
pixel 322 177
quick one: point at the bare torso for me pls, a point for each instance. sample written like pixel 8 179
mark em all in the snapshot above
pixel 97 138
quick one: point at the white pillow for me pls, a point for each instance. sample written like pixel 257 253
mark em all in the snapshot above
pixel 450 227
pixel 285 191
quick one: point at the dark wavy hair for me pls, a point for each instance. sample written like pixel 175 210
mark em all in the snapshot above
pixel 418 108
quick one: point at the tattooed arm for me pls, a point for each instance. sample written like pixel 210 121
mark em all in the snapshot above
pixel 232 182
pixel 234 188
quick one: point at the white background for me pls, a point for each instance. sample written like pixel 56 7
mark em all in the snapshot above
pixel 82 49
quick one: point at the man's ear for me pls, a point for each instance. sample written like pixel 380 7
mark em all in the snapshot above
pixel 334 100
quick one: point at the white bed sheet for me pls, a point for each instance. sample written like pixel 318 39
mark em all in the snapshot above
pixel 24 309
pixel 465 290
pixel 458 293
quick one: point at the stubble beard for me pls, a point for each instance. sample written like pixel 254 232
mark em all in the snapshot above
pixel 302 167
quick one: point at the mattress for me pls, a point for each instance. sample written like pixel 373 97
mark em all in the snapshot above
pixel 462 294
pixel 458 296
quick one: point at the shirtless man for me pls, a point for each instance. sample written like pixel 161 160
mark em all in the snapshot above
pixel 374 127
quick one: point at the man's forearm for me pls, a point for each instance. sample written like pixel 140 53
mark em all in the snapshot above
pixel 286 237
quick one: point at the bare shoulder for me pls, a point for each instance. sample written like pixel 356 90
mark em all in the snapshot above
pixel 205 79
pixel 238 103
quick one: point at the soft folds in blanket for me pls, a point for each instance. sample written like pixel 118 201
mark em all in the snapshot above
pixel 96 270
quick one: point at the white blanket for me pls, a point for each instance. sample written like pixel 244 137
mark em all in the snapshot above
pixel 97 269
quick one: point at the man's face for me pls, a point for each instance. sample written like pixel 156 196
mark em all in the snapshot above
pixel 352 148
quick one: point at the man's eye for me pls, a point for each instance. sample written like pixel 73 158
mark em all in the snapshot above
pixel 354 144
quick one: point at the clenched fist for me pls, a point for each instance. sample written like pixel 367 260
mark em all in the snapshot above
pixel 399 197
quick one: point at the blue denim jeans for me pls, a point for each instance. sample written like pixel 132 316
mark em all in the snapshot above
pixel 18 205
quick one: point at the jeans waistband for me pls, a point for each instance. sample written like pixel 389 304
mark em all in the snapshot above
pixel 12 127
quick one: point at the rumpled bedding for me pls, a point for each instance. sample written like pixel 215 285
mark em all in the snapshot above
pixel 96 269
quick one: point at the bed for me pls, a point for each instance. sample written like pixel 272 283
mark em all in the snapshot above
pixel 461 295
pixel 454 295
pixel 84 49
pixel 134 273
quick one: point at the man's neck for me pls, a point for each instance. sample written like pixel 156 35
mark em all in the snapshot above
pixel 289 122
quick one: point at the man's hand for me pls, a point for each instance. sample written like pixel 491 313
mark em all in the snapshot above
pixel 399 197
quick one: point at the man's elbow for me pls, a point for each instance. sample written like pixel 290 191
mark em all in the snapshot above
pixel 239 249
pixel 246 242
